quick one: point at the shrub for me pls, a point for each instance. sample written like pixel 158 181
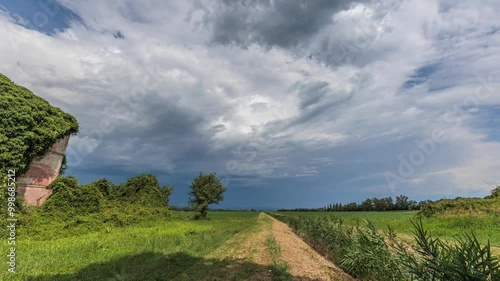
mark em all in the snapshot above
pixel 144 190
pixel 105 186
pixel 74 209
pixel 70 198
pixel 495 193
pixel 471 206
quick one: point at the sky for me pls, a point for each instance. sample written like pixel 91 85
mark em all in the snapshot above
pixel 291 103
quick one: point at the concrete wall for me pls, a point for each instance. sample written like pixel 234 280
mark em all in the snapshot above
pixel 41 173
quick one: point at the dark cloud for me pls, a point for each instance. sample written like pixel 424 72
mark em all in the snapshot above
pixel 270 23
pixel 217 128
pixel 312 93
pixel 317 100
pixel 118 35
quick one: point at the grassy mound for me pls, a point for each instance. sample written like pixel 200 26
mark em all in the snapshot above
pixel 29 126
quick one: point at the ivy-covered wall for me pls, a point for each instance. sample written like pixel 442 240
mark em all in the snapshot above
pixel 29 126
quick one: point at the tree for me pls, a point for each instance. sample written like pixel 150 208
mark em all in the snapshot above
pixel 388 203
pixel 402 202
pixel 412 205
pixel 495 192
pixel 167 191
pixel 206 189
pixel 367 205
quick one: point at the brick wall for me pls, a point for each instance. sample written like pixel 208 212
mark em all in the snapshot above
pixel 42 172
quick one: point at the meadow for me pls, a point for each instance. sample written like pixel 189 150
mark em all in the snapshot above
pixel 448 227
pixel 152 250
pixel 227 246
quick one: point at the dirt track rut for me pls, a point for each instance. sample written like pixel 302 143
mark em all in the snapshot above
pixel 250 255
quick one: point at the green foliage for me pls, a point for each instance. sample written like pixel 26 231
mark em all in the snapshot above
pixel 279 266
pixel 360 251
pixel 368 205
pixel 64 166
pixel 365 253
pixel 105 186
pixel 206 189
pixel 462 206
pixel 29 126
pixel 74 209
pixel 368 256
pixel 144 190
pixel 447 227
pixel 433 259
pixel 90 250
pixel 495 193
pixel 70 198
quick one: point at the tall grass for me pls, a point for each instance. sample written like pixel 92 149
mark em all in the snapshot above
pixel 368 254
pixel 446 227
pixel 432 259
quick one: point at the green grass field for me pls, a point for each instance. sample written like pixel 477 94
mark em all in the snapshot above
pixel 154 250
pixel 172 249
pixel 447 227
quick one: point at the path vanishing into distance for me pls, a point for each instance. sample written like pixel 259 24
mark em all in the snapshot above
pixel 267 250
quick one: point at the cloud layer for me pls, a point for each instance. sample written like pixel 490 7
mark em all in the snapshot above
pixel 292 103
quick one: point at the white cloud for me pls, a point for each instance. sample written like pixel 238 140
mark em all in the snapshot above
pixel 299 105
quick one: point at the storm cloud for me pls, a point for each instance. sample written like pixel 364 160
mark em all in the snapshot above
pixel 292 103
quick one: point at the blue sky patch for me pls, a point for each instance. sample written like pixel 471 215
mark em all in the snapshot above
pixel 421 75
pixel 46 16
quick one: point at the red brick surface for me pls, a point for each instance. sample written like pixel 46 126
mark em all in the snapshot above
pixel 41 173
pixel 34 196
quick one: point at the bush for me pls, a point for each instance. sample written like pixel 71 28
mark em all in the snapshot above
pixel 74 209
pixel 460 206
pixel 495 193
pixel 70 198
pixel 105 186
pixel 144 190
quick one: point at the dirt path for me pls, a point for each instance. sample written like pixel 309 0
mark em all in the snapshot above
pixel 304 263
pixel 267 251
pixel 242 257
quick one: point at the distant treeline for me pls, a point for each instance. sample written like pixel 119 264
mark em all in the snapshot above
pixel 402 203
pixel 488 204
pixel 191 209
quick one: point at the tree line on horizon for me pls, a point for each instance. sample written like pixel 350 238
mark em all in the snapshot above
pixel 401 203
